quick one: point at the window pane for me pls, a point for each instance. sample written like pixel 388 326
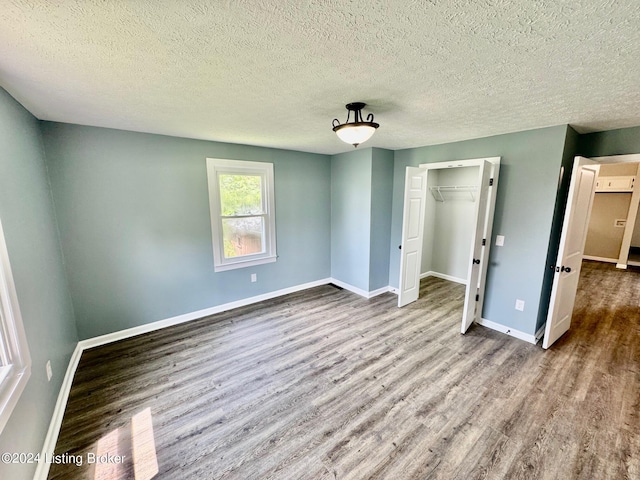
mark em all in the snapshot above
pixel 240 194
pixel 242 236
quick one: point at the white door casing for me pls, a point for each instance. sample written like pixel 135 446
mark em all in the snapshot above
pixel 571 249
pixel 478 258
pixel 412 235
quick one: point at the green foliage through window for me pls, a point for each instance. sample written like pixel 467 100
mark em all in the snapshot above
pixel 240 194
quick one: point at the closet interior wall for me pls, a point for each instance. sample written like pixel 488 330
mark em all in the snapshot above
pixel 449 223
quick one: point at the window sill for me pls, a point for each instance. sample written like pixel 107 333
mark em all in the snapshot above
pixel 245 263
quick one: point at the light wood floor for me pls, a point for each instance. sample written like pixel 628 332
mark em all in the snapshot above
pixel 323 384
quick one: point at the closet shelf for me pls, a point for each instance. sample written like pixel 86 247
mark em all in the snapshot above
pixel 438 190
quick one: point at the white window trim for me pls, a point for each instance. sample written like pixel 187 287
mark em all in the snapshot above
pixel 16 370
pixel 215 166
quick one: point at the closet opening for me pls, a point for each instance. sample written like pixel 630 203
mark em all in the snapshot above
pixel 446 229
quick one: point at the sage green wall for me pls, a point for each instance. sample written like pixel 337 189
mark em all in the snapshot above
pixel 524 214
pixel 133 214
pixel 28 219
pixel 622 141
pixel 351 217
pixel 381 201
pixel 361 195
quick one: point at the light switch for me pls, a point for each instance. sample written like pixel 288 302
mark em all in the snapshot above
pixel 499 240
pixel 520 305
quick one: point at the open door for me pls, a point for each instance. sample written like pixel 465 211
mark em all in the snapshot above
pixel 572 240
pixel 478 257
pixel 415 192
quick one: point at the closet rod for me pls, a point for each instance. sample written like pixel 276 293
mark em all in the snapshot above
pixel 452 188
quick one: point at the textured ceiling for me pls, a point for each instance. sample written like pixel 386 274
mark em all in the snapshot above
pixel 276 72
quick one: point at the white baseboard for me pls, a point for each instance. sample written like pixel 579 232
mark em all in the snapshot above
pixel 600 259
pixel 622 266
pixel 187 317
pixel 444 276
pixel 380 291
pixel 527 337
pixel 359 291
pixel 58 413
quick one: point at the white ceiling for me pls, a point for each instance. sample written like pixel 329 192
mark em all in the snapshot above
pixel 276 72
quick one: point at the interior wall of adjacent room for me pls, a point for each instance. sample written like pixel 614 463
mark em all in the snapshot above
pixel 635 239
pixel 604 236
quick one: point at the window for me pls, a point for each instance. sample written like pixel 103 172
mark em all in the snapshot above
pixel 15 362
pixel 243 220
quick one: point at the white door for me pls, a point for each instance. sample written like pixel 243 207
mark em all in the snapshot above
pixel 572 239
pixel 472 306
pixel 415 191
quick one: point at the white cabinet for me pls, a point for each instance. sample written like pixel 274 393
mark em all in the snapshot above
pixel 615 184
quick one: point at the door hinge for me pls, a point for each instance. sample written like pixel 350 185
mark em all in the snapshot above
pixel 484 241
pixel 477 297
pixel 491 182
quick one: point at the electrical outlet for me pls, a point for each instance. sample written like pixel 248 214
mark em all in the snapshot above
pixel 254 277
pixel 499 240
pixel 49 372
pixel 520 305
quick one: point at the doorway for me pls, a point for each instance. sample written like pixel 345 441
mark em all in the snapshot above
pixel 582 191
pixel 426 187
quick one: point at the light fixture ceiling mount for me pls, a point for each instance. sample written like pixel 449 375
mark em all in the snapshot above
pixel 358 131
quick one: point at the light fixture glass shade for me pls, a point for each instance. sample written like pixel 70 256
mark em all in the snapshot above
pixel 358 130
pixel 355 134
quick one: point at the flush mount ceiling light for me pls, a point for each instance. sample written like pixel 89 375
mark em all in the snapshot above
pixel 358 131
